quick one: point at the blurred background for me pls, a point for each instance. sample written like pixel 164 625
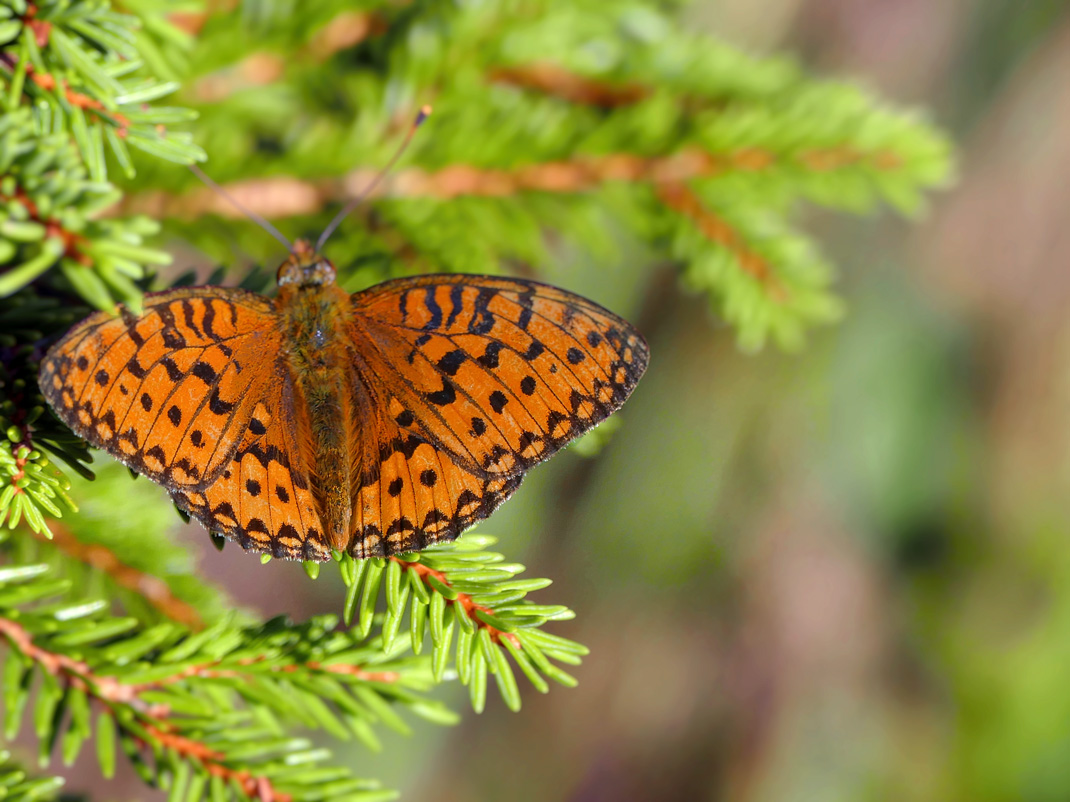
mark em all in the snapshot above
pixel 838 574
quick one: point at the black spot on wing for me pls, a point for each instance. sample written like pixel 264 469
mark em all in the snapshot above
pixel 205 372
pixel 534 350
pixel 217 405
pixel 451 362
pixel 447 395
pixel 490 357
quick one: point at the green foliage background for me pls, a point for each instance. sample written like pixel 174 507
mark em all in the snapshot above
pixel 826 568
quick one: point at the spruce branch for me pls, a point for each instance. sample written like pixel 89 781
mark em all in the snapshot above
pixel 459 587
pixel 154 590
pixel 208 710
pixel 159 687
pixel 77 62
pixel 17 785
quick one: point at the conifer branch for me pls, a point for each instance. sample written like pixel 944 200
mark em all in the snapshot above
pixel 154 590
pixel 188 699
pixel 17 785
pixel 459 586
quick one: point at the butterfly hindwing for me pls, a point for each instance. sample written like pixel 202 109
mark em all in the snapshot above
pixel 414 494
pixel 262 499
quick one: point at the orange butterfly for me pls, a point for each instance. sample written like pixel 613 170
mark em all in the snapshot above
pixel 374 423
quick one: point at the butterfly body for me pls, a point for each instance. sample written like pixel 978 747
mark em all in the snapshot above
pixel 373 423
pixel 314 314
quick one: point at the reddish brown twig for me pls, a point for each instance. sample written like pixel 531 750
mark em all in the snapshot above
pixel 682 199
pixel 76 672
pixel 153 589
pixel 71 241
pixel 463 599
pixel 285 196
pixel 154 718
pixel 554 80
pixel 254 786
pixel 48 82
pixel 835 158
pixel 42 29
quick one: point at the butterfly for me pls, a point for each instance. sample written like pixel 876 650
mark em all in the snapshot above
pixel 375 423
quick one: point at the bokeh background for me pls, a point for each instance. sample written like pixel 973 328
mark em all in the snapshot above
pixel 838 574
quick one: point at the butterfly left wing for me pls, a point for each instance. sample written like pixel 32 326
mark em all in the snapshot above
pixel 171 392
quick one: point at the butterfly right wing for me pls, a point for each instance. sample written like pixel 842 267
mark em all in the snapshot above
pixel 499 372
pixel 169 393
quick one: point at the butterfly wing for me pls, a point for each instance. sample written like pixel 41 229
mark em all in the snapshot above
pixel 499 372
pixel 262 499
pixel 411 493
pixel 166 392
pixel 477 379
pixel 193 395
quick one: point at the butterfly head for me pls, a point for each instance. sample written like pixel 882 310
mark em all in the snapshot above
pixel 305 268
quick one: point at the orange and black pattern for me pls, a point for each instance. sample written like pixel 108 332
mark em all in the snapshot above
pixel 166 393
pixel 482 378
pixel 454 387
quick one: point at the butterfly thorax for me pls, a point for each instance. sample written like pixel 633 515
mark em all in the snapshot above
pixel 314 311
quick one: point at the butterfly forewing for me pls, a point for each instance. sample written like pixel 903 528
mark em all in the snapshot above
pixel 499 373
pixel 169 393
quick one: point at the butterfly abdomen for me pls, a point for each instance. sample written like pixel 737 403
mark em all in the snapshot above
pixel 319 369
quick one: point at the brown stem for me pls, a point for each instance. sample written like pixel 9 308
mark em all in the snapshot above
pixel 682 199
pixel 463 599
pixel 71 241
pixel 153 589
pixel 551 79
pixel 48 83
pixel 254 786
pixel 285 196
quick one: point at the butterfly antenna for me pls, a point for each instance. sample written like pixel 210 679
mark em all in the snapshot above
pixel 424 113
pixel 256 218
